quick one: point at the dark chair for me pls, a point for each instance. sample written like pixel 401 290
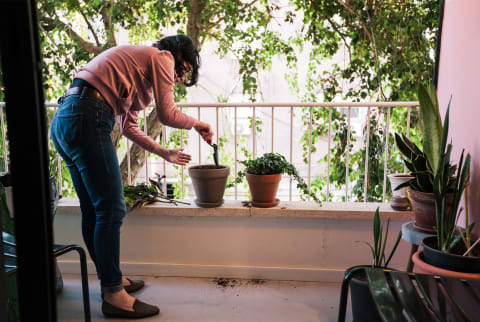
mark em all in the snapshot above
pixel 10 254
pixel 10 263
pixel 402 296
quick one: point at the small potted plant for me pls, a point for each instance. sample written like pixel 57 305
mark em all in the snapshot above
pixel 418 161
pixel 450 252
pixel 363 306
pixel 264 174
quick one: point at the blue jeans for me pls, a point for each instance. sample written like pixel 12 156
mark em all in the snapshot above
pixel 80 131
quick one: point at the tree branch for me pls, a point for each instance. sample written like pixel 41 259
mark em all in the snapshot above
pixel 107 23
pixel 49 24
pixel 91 28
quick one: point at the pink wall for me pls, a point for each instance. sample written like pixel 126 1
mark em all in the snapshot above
pixel 459 74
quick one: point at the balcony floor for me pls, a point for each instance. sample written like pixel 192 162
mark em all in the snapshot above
pixel 213 300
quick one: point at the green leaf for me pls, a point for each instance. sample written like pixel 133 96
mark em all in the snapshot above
pixel 432 124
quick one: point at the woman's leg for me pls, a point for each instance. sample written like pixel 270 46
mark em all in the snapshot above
pixel 82 132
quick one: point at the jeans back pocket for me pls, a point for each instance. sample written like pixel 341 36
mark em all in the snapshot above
pixel 69 126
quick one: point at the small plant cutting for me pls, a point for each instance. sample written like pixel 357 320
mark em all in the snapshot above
pixel 363 306
pixel 266 170
pixel 143 194
pixel 380 242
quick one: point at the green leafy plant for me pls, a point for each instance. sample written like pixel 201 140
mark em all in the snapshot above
pixel 380 242
pixel 275 163
pixel 143 194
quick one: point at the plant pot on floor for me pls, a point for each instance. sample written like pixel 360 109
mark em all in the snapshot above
pixel 453 261
pixel 363 305
pixel 209 182
pixel 264 189
pixel 399 199
pixel 424 209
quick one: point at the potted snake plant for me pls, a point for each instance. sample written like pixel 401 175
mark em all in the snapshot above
pixel 451 251
pixel 422 163
pixel 264 174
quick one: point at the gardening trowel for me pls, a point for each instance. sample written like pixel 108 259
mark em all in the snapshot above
pixel 215 153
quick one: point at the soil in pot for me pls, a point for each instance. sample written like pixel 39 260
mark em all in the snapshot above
pixel 424 209
pixel 209 182
pixel 454 260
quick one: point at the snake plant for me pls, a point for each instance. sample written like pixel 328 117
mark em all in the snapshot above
pixel 422 164
pixel 446 221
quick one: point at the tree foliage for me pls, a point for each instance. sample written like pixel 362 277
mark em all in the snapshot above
pixel 388 50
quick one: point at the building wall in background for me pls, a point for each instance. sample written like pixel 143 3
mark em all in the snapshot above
pixel 459 71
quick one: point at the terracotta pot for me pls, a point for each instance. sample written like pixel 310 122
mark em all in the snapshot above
pixel 424 209
pixel 209 182
pixel 424 268
pixel 264 189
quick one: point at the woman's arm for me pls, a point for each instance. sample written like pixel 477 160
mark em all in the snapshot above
pixel 129 127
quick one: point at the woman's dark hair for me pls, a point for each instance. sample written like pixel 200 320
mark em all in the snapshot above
pixel 183 51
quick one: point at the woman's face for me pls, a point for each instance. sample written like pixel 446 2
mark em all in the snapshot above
pixel 187 69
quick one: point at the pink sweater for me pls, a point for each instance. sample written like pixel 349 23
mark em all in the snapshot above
pixel 129 77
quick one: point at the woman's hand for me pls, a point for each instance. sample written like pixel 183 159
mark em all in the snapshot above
pixel 204 130
pixel 176 156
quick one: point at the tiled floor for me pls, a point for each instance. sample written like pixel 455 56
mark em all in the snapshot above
pixel 215 300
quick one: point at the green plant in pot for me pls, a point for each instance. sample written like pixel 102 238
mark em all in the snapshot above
pixel 264 174
pixel 451 248
pixel 422 163
pixel 363 306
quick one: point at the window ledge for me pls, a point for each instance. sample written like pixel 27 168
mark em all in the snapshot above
pixel 286 209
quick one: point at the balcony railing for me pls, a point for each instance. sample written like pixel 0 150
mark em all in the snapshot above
pixel 282 121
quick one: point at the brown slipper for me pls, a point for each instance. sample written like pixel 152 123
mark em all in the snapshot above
pixel 140 310
pixel 134 286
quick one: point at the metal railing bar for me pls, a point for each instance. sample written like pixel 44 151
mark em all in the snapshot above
pixel 367 145
pixel 387 128
pixel 218 121
pixel 347 151
pixel 295 105
pixel 254 129
pixel 129 169
pixel 273 124
pixel 199 140
pixel 408 132
pixel 310 121
pixel 164 142
pixel 291 151
pixel 145 129
pixel 236 155
pixel 329 151
pixel 182 167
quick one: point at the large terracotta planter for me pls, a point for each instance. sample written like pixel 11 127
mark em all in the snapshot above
pixel 424 209
pixel 264 189
pixel 424 268
pixel 209 182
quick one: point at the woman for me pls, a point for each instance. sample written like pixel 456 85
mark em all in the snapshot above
pixel 121 81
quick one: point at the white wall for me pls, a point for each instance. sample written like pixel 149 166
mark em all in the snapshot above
pixel 459 71
pixel 306 249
